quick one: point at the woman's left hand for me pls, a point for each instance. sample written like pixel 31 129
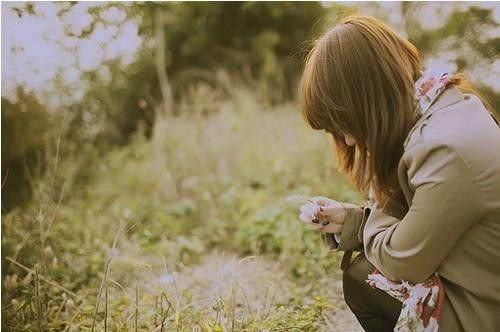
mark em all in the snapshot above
pixel 323 210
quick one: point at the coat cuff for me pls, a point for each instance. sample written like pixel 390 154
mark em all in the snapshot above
pixel 351 237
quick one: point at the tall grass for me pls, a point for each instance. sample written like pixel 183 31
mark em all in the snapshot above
pixel 206 242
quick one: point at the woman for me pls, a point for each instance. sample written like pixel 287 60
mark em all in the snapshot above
pixel 427 147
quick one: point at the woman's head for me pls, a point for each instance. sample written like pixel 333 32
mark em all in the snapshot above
pixel 358 85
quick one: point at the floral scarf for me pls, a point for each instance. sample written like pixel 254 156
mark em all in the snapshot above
pixel 431 83
pixel 421 302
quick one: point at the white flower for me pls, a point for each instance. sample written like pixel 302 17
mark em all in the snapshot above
pixel 308 212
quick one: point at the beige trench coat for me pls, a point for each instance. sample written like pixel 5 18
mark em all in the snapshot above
pixel 450 180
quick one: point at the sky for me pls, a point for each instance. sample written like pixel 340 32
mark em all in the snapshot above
pixel 35 48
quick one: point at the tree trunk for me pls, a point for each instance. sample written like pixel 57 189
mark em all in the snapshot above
pixel 167 105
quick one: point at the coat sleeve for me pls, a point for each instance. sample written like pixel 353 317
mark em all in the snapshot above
pixel 445 204
pixel 351 236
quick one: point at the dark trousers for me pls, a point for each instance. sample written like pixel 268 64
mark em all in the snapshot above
pixel 374 309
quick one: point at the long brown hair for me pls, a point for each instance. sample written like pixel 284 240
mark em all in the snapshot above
pixel 359 79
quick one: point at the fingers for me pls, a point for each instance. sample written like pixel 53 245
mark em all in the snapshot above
pixel 334 214
pixel 323 214
pixel 328 218
pixel 323 201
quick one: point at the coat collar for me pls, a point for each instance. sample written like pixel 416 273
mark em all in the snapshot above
pixel 434 90
pixel 447 97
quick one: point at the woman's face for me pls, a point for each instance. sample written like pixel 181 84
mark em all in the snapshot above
pixel 349 140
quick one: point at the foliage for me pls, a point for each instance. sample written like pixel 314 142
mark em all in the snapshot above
pixel 262 47
pixel 185 193
pixel 251 38
pixel 26 129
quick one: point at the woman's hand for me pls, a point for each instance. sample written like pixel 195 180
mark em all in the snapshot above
pixel 324 209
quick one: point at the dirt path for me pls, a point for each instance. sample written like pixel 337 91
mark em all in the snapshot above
pixel 256 284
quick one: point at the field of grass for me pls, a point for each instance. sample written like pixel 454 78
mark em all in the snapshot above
pixel 186 231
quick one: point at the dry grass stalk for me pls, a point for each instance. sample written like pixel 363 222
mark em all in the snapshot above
pixel 105 277
pixel 58 145
pixel 106 310
pixel 155 315
pixel 249 306
pixel 178 298
pixel 136 316
pixel 38 301
pixel 118 285
pixel 271 302
pixel 233 306
pixel 161 313
pixel 45 234
pixel 61 307
pixel 41 277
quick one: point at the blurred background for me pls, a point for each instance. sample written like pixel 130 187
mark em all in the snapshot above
pixel 147 149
